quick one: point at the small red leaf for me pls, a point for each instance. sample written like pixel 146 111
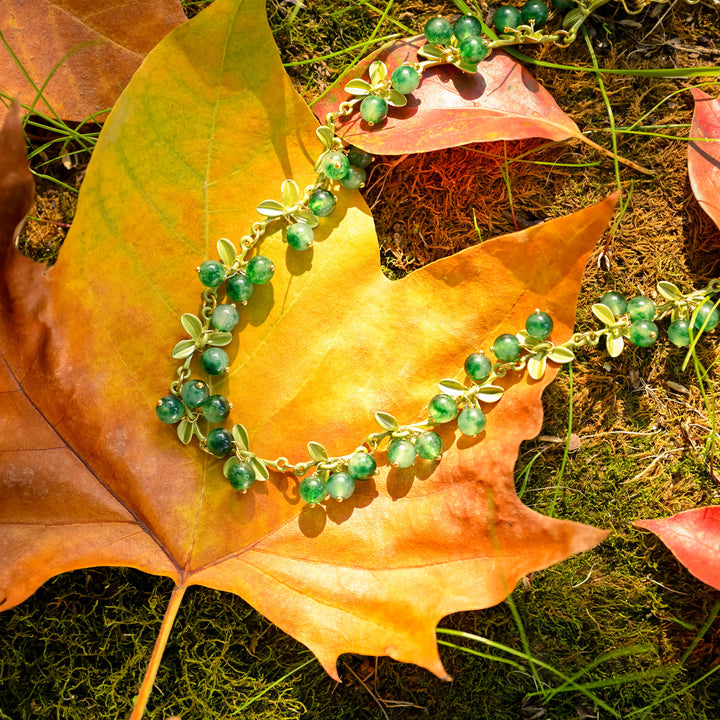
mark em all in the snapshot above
pixel 704 156
pixel 694 538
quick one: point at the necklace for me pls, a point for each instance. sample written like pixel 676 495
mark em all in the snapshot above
pixel 231 280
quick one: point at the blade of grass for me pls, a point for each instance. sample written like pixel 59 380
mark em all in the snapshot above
pixel 566 451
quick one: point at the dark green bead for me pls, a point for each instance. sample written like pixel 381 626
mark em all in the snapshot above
pixel 241 475
pixel 615 301
pixel 361 465
pixel 471 421
pixel 321 203
pixel 709 313
pixel 359 158
pixel 506 348
pixel 643 333
pixel 194 393
pixel 405 79
pixel 336 165
pixel 239 288
pixel 214 361
pixel 563 5
pixel 313 490
pixel 506 16
pixel 216 408
pixel 211 273
pixel 355 178
pixel 442 408
pixel 641 308
pixel 478 367
pixel 539 325
pixel 260 269
pixel 373 109
pixel 401 453
pixel 219 442
pixel 169 409
pixel 473 49
pixel 300 236
pixel 438 30
pixel 225 318
pixel 428 445
pixel 340 486
pixel 679 333
pixel 467 26
pixel 536 11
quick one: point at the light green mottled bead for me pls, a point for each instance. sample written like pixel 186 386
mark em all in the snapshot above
pixel 643 333
pixel 355 178
pixel 506 348
pixel 340 486
pixel 216 408
pixel 336 165
pixel 313 490
pixel 225 318
pixel 239 288
pixel 260 270
pixel 401 453
pixel 708 316
pixel 471 421
pixel 321 203
pixel 428 445
pixel 405 79
pixel 214 361
pixel 679 333
pixel 442 408
pixel 361 465
pixel 300 236
pixel 241 476
pixel 373 109
pixel 641 308
pixel 211 273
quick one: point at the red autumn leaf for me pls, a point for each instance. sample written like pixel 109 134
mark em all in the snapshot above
pixel 693 537
pixel 97 45
pixel 501 102
pixel 704 156
pixel 17 187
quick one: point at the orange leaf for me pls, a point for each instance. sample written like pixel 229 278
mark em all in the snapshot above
pixel 88 476
pixel 704 156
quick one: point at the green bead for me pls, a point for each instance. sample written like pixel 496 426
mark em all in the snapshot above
pixel 194 393
pixel 641 308
pixel 214 361
pixel 300 236
pixel 373 109
pixel 321 203
pixel 405 79
pixel 361 465
pixel 219 442
pixel 709 313
pixel 216 408
pixel 260 269
pixel 225 318
pixel 239 288
pixel 506 16
pixel 679 333
pixel 211 273
pixel 615 301
pixel 428 445
pixel 471 421
pixel 643 333
pixel 359 158
pixel 241 475
pixel 438 30
pixel 442 408
pixel 340 486
pixel 473 49
pixel 467 26
pixel 401 453
pixel 478 367
pixel 313 490
pixel 169 409
pixel 506 348
pixel 336 165
pixel 355 178
pixel 563 5
pixel 534 10
pixel 539 325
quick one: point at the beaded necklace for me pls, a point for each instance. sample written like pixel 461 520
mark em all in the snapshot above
pixel 233 277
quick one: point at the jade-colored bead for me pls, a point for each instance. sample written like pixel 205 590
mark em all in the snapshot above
pixel 428 445
pixel 313 490
pixel 260 270
pixel 641 308
pixel 534 10
pixel 539 325
pixel 708 316
pixel 438 30
pixel 355 178
pixel 679 333
pixel 373 109
pixel 219 442
pixel 336 165
pixel 359 158
pixel 473 49
pixel 361 466
pixel 211 273
pixel 300 236
pixel 506 348
pixel 194 393
pixel 467 26
pixel 214 361
pixel 216 408
pixel 615 301
pixel 643 333
pixel 401 453
pixel 471 421
pixel 478 367
pixel 169 409
pixel 321 203
pixel 239 288
pixel 241 475
pixel 405 79
pixel 340 486
pixel 442 408
pixel 225 318
pixel 506 16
